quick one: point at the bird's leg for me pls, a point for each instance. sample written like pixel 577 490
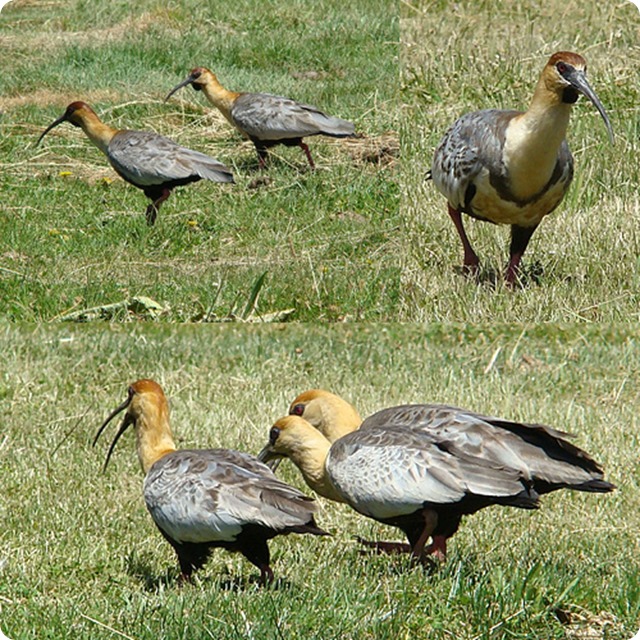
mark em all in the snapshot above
pixel 385 547
pixel 154 207
pixel 262 156
pixel 520 237
pixel 471 260
pixel 266 574
pixel 256 551
pixel 305 148
pixel 417 547
pixel 186 567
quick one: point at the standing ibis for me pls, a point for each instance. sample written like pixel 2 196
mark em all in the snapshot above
pixel 201 499
pixel 145 159
pixel 265 119
pixel 421 468
pixel 512 167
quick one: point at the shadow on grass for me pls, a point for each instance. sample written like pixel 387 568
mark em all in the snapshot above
pixel 488 276
pixel 141 569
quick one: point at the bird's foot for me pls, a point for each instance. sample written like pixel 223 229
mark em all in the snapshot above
pixel 437 549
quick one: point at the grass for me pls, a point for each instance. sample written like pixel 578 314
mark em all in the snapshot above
pixel 73 234
pixel 582 263
pixel 81 558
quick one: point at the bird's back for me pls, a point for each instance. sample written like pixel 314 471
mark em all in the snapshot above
pixel 145 158
pixel 210 495
pixel 263 116
pixel 541 455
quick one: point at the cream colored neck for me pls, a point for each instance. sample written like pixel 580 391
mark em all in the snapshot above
pixel 533 140
pixel 310 456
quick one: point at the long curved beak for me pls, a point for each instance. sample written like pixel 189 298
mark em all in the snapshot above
pixel 60 120
pixel 579 81
pixel 184 83
pixel 270 457
pixel 126 423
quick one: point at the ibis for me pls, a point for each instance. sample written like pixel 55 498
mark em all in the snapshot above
pixel 202 499
pixel 145 159
pixel 265 119
pixel 421 468
pixel 512 167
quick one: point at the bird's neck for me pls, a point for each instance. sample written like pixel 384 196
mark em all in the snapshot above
pixel 532 142
pixel 97 131
pixel 220 97
pixel 154 439
pixel 310 456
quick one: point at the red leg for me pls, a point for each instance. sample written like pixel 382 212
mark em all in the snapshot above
pixel 305 148
pixel 262 157
pixel 471 260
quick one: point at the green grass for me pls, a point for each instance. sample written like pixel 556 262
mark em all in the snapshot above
pixel 81 558
pixel 474 55
pixel 74 235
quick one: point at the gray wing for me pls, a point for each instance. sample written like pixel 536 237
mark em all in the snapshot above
pixel 210 495
pixel 146 158
pixel 388 471
pixel 540 454
pixel 267 117
pixel 472 145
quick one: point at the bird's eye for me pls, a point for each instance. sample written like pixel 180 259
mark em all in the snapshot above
pixel 297 410
pixel 273 435
pixel 561 67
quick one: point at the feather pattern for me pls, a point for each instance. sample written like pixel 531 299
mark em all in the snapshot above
pixel 266 117
pixel 540 454
pixel 390 471
pixel 210 495
pixel 145 158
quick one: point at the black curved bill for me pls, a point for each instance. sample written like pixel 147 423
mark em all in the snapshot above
pixel 578 80
pixel 270 457
pixel 127 422
pixel 184 83
pixel 55 123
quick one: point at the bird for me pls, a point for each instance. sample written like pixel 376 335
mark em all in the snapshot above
pixel 513 167
pixel 144 159
pixel 421 468
pixel 265 119
pixel 202 499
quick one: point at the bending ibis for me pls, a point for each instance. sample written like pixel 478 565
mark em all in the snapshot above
pixel 202 499
pixel 421 468
pixel 145 159
pixel 265 119
pixel 512 167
